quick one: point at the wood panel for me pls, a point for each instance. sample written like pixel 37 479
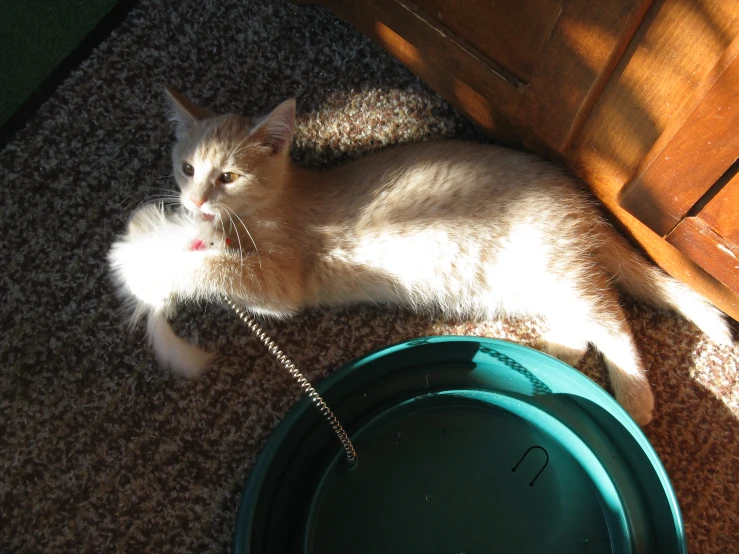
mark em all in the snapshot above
pixel 694 237
pixel 512 34
pixel 580 56
pixel 698 154
pixel 659 81
pixel 661 78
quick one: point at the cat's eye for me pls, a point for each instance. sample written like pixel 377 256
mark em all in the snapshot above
pixel 187 169
pixel 228 177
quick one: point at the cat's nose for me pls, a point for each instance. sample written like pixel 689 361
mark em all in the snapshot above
pixel 197 201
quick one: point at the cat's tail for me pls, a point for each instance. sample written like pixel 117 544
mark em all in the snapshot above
pixel 633 274
pixel 172 351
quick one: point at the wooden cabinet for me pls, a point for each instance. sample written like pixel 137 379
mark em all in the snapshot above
pixel 639 98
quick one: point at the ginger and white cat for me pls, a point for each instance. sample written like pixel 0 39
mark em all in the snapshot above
pixel 463 229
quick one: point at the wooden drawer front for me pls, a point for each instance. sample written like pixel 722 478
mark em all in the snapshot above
pixel 528 72
pixel 512 34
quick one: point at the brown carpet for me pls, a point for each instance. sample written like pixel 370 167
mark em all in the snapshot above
pixel 100 450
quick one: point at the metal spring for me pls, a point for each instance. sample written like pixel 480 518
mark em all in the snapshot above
pixel 346 443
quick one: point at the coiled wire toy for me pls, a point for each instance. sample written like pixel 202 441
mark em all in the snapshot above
pixel 346 443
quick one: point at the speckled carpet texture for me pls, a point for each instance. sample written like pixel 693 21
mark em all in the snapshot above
pixel 103 451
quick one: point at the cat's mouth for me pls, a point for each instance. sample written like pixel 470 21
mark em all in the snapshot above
pixel 202 216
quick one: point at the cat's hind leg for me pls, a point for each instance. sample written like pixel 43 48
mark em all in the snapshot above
pixel 595 317
pixel 612 337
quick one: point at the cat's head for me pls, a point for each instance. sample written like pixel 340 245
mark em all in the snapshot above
pixel 229 164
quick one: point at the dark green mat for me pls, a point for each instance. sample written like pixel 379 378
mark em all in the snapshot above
pixel 40 42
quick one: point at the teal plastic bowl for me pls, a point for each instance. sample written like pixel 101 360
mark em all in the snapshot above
pixel 466 446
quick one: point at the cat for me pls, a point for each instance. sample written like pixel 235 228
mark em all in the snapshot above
pixel 469 230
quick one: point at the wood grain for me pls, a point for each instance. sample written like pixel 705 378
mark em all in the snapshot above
pixel 722 212
pixel 512 34
pixel 704 147
pixel 580 56
pixel 659 81
pixel 694 237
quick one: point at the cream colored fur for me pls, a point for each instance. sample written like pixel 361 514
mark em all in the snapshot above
pixel 463 229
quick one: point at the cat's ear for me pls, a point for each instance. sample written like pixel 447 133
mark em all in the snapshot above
pixel 276 129
pixel 183 113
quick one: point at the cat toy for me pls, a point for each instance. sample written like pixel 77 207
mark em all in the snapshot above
pixel 305 385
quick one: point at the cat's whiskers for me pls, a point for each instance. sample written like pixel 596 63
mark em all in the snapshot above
pixel 161 189
pixel 238 238
pixel 167 195
pixel 158 190
pixel 163 200
pixel 163 194
pixel 219 219
pixel 259 258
